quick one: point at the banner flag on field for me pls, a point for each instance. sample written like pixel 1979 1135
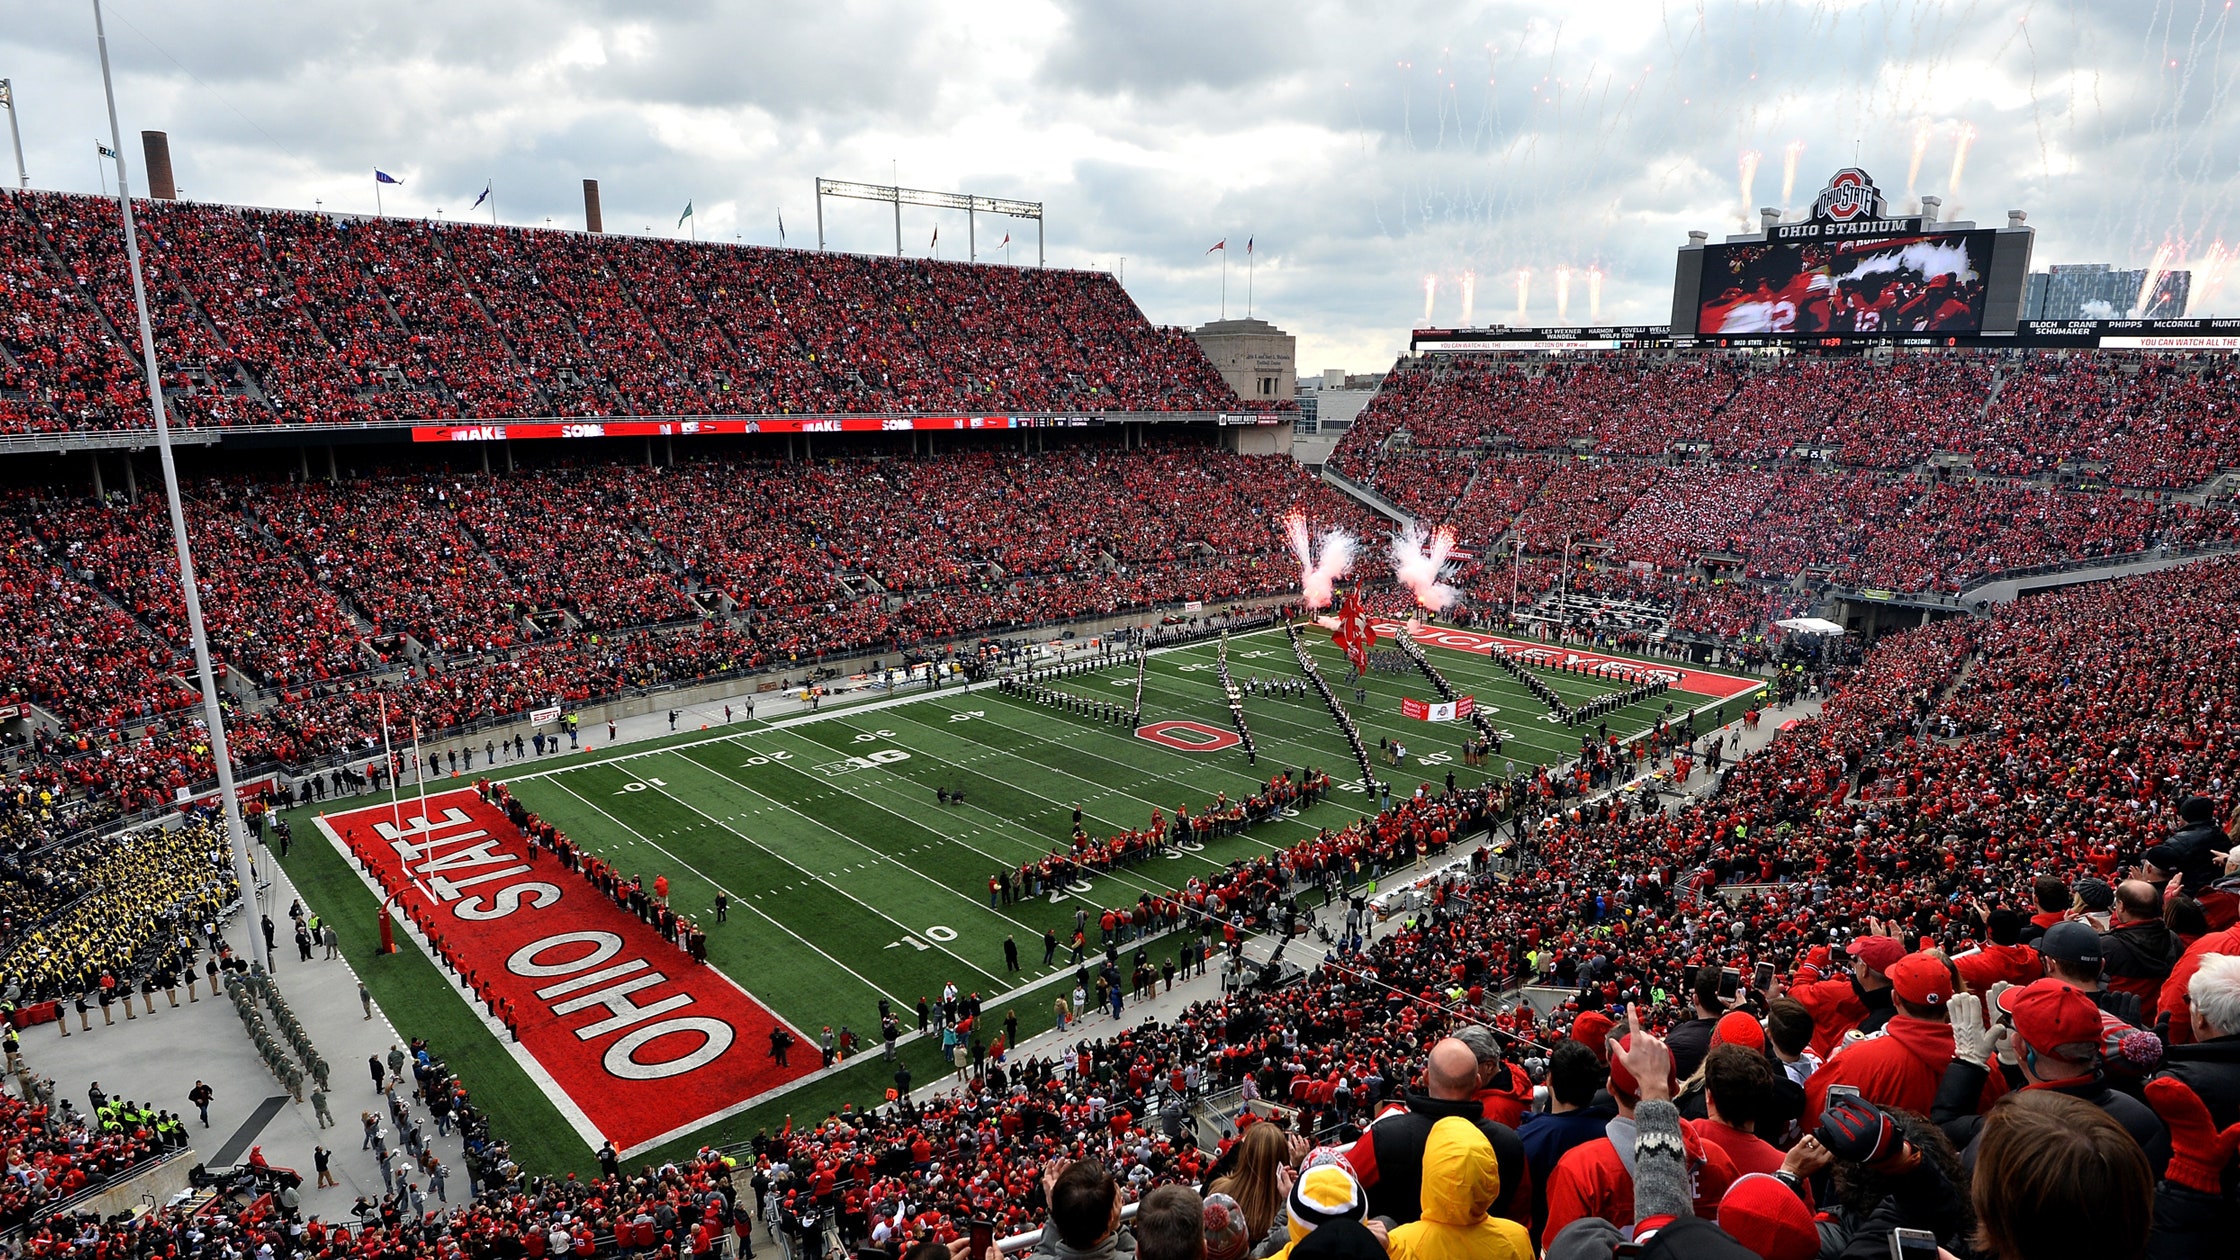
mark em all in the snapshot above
pixel 1444 711
pixel 1353 634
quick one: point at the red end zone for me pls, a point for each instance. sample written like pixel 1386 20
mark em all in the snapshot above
pixel 1701 682
pixel 633 1040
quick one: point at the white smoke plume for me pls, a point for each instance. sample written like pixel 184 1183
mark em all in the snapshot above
pixel 1319 567
pixel 1423 570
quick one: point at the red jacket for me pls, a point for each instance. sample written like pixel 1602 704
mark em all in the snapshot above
pixel 1836 1010
pixel 1750 1153
pixel 1901 1067
pixel 2174 1001
pixel 1506 1102
pixel 2015 964
pixel 1590 1180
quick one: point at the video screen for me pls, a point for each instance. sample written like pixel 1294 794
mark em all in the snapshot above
pixel 1892 284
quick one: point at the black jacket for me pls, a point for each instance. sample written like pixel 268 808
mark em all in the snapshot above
pixel 2193 843
pixel 2139 951
pixel 2212 1070
pixel 1389 1158
pixel 1962 1087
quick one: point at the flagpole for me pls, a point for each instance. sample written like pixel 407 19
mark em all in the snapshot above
pixel 8 97
pixel 189 588
pixel 389 763
pixel 490 188
pixel 1251 263
pixel 420 772
pixel 1224 282
pixel 378 213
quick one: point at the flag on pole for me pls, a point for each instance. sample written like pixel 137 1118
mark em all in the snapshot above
pixel 1222 244
pixel 1353 635
pixel 7 94
pixel 686 215
pixel 1248 244
pixel 384 177
pixel 1006 242
pixel 484 197
pixel 781 226
pixel 104 150
pixel 936 236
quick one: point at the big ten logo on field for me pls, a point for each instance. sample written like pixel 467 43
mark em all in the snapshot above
pixel 1183 735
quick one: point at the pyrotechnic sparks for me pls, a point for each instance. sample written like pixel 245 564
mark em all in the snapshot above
pixel 1563 295
pixel 2208 274
pixel 1469 296
pixel 2155 269
pixel 1319 568
pixel 1422 571
pixel 1922 134
pixel 1748 167
pixel 1594 295
pixel 1963 135
pixel 1430 290
pixel 1524 290
pixel 1789 158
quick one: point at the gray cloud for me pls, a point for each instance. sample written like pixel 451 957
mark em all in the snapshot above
pixel 1365 146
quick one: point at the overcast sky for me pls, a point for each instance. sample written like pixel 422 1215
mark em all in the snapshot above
pixel 1362 146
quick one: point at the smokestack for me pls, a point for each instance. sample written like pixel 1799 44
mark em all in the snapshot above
pixel 1768 216
pixel 591 221
pixel 1929 208
pixel 157 146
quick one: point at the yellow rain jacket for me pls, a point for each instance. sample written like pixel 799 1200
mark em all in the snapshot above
pixel 1460 1183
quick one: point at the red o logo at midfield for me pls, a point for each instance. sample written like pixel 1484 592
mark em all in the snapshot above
pixel 1183 735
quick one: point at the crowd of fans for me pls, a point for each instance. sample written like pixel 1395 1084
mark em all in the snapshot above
pixel 1954 956
pixel 464 598
pixel 1943 872
pixel 272 317
pixel 2145 421
pixel 1857 527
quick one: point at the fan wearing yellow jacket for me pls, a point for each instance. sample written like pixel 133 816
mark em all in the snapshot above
pixel 1460 1183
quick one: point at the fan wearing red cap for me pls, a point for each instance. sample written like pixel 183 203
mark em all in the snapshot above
pixel 1837 1005
pixel 1762 1213
pixel 1902 1065
pixel 1593 1180
pixel 2057 1032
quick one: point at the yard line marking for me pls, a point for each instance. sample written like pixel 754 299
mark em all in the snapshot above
pixel 734 896
pixel 906 930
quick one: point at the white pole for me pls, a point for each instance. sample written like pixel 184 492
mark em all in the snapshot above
pixel 1516 563
pixel 377 212
pixel 15 133
pixel 236 833
pixel 420 772
pixel 389 764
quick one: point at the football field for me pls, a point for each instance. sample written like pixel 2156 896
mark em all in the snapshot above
pixel 848 882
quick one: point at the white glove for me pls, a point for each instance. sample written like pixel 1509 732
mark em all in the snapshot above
pixel 1971 1043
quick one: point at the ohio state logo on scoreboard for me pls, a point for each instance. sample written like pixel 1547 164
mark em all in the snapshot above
pixel 1850 194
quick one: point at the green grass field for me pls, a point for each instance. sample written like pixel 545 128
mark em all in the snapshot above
pixel 848 882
